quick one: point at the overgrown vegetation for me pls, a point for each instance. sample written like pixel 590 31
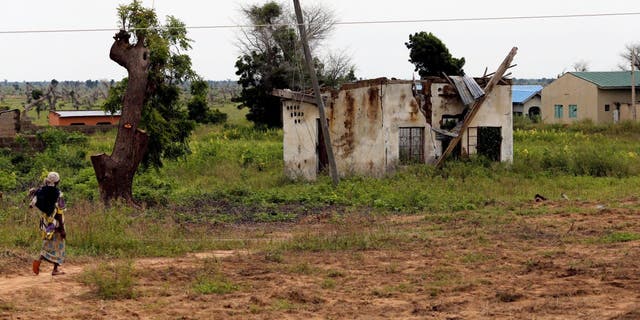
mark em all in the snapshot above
pixel 234 174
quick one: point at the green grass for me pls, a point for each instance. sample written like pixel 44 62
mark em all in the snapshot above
pixel 342 240
pixel 111 280
pixel 210 280
pixel 615 237
pixel 234 173
pixel 217 285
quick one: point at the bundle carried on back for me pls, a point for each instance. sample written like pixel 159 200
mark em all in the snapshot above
pixel 48 199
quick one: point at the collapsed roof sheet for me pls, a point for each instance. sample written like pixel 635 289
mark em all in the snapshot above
pixel 467 88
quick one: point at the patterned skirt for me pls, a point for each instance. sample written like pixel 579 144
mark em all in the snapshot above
pixel 54 250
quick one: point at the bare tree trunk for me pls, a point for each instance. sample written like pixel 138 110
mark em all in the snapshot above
pixel 33 103
pixel 52 97
pixel 115 172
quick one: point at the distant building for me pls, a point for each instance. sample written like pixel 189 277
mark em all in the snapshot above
pixel 83 118
pixel 526 100
pixel 603 97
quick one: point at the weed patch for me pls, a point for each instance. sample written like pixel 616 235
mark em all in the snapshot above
pixel 210 280
pixel 111 280
pixel 615 237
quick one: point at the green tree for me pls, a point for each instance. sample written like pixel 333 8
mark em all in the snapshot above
pixel 198 105
pixel 152 124
pixel 272 58
pixel 431 57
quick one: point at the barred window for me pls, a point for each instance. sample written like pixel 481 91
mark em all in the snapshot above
pixel 411 145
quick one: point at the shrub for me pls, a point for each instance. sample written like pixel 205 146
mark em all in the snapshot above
pixel 111 280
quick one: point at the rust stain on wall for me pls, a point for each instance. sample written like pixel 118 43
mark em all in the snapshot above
pixel 349 119
pixel 427 107
pixel 374 104
pixel 413 113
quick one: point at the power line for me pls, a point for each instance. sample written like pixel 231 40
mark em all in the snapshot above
pixel 438 20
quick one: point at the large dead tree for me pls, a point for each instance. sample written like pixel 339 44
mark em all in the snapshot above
pixel 144 48
pixel 115 172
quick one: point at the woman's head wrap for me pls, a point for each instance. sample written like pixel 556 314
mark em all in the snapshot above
pixel 52 178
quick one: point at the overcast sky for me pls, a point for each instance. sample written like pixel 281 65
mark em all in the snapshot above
pixel 547 47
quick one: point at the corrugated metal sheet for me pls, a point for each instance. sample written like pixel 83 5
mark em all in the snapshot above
pixel 473 87
pixel 69 114
pixel 463 91
pixel 468 89
pixel 609 79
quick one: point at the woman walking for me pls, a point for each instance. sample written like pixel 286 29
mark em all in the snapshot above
pixel 48 199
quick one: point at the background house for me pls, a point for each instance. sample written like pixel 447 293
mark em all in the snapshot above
pixel 82 118
pixel 603 97
pixel 377 125
pixel 526 100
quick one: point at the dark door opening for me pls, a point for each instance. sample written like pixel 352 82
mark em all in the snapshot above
pixel 534 113
pixel 490 142
pixel 321 150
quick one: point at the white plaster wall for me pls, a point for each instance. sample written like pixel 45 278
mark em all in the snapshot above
pixel 496 111
pixel 364 126
pixel 356 129
pixel 400 109
pixel 300 139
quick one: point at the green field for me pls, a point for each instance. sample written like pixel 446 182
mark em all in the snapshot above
pixel 234 174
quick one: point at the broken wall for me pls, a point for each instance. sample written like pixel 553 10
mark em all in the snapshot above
pixel 300 144
pixel 365 119
pixel 364 122
pixel 9 123
pixel 496 111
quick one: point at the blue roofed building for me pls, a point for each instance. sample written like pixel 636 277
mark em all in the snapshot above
pixel 526 100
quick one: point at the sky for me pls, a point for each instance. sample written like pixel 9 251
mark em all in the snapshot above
pixel 546 47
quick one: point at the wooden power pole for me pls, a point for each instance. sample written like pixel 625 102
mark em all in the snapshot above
pixel 316 89
pixel 633 82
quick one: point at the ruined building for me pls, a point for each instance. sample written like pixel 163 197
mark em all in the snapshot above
pixel 380 124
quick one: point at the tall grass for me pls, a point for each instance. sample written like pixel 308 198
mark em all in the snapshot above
pixel 235 173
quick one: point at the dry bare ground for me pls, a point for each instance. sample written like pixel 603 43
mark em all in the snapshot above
pixel 566 260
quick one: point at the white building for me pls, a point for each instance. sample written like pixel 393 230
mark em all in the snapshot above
pixel 377 125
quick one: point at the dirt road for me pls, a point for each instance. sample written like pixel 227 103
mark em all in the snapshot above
pixel 575 262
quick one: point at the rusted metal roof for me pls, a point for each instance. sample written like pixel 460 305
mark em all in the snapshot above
pixel 468 89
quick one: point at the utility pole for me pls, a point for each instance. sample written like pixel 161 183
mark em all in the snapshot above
pixel 316 89
pixel 633 82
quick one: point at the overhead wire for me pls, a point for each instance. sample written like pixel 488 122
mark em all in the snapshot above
pixel 362 22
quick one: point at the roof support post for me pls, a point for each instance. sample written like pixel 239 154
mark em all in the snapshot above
pixel 316 89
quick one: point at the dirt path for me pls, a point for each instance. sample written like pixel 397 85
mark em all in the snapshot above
pixel 574 262
pixel 49 293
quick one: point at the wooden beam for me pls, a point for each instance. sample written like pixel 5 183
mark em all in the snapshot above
pixel 293 95
pixel 476 105
pixel 316 90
